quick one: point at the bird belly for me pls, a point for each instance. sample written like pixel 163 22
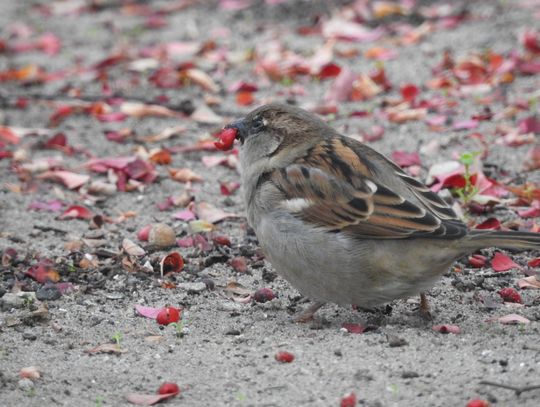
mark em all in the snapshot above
pixel 333 267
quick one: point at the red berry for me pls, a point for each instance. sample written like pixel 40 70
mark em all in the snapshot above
pixel 409 92
pixel 169 388
pixel 477 403
pixel 510 295
pixel 348 400
pixel 226 139
pixel 264 295
pixel 284 357
pixel 168 315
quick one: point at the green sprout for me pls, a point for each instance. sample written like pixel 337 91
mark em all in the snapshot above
pixel 179 327
pixel 117 337
pixel 99 401
pixel 467 193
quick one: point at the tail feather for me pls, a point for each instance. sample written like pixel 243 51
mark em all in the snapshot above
pixel 478 239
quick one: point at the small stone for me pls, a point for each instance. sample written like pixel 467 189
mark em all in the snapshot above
pixel 194 288
pixel 162 235
pixel 395 341
pixel 338 353
pixel 48 293
pixel 408 374
pixel 29 335
pixel 10 300
pixel 233 332
pixel 26 384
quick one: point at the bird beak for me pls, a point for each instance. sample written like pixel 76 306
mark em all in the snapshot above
pixel 240 126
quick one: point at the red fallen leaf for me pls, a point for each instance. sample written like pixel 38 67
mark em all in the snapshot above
pixel 534 262
pixel 477 403
pixel 168 315
pixel 221 240
pixel 263 295
pixel 510 295
pixel 5 154
pixel 9 135
pixel 490 223
pixel 529 125
pixel 284 356
pixel 455 181
pixel 226 139
pixel 42 272
pixel 501 262
pixel 531 41
pixel 161 157
pixel 58 141
pixel 147 399
pixel 228 188
pixel 70 179
pixel 239 264
pixel 171 263
pixel 348 400
pixel 353 328
pixel 242 86
pixel 143 234
pixel 60 114
pixel 76 211
pixel 409 92
pixel 477 260
pixel 529 282
pixel 169 388
pixel 447 329
pixel 244 99
pixel 329 70
pixel 148 312
pixel 406 159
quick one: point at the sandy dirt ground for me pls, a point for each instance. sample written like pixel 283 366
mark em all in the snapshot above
pixel 223 351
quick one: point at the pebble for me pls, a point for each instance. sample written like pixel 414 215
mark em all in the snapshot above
pixel 395 341
pixel 230 306
pixel 194 288
pixel 26 384
pixel 29 335
pixel 408 374
pixel 10 300
pixel 48 293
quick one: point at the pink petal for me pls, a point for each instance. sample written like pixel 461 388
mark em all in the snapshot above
pixel 513 319
pixel 147 399
pixel 465 125
pixel 353 328
pixel 70 179
pixel 148 312
pixel 143 234
pixel 529 125
pixel 341 88
pixel 76 211
pixel 501 262
pixel 212 214
pixel 406 159
pixel 185 215
pixel 529 282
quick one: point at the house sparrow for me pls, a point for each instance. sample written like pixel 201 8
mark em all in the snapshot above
pixel 341 222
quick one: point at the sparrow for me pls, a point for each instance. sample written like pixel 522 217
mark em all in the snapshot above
pixel 340 221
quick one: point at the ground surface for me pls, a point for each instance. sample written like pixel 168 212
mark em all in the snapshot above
pixel 226 353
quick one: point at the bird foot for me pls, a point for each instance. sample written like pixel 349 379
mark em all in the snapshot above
pixel 307 314
pixel 424 310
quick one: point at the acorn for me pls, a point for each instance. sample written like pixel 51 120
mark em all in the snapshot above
pixel 162 235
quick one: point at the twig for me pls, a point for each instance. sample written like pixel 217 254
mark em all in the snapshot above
pixel 50 229
pixel 517 389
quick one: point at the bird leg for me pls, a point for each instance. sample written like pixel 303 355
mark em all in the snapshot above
pixel 424 309
pixel 307 314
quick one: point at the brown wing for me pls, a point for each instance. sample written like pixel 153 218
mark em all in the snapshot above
pixel 336 188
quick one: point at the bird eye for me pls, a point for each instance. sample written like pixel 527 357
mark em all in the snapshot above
pixel 258 124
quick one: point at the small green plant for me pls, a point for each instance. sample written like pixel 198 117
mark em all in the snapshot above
pixel 179 328
pixel 467 193
pixel 99 401
pixel 28 301
pixel 117 338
